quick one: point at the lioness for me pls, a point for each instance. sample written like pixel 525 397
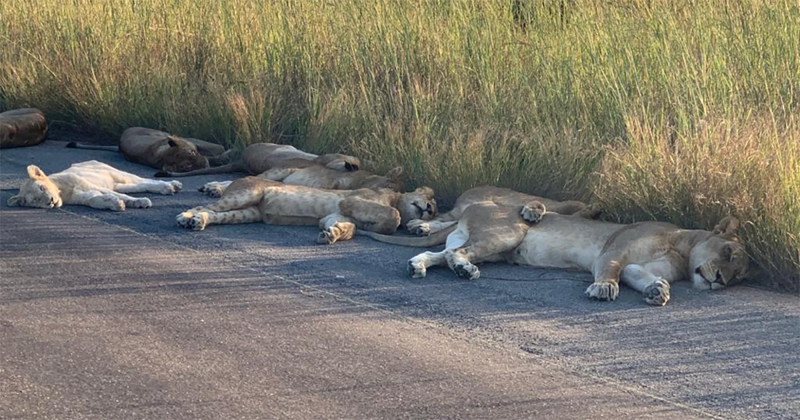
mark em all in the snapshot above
pixel 163 151
pixel 503 196
pixel 646 256
pixel 90 183
pixel 337 212
pixel 291 166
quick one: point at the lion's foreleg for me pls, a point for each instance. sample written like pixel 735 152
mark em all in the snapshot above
pixel 149 185
pixel 421 227
pixel 97 199
pixel 418 266
pixel 335 227
pixel 606 271
pixel 215 188
pixel 654 288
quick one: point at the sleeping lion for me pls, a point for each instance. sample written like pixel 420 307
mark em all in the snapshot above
pixel 645 256
pixel 337 212
pixel 90 183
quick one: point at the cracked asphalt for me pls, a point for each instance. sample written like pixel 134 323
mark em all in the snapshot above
pixel 124 316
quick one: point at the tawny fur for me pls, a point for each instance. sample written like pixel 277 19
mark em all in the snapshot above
pixel 161 150
pixel 645 256
pixel 338 212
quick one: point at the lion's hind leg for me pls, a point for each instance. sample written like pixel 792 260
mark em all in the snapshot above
pixel 418 265
pixel 201 219
pixel 492 231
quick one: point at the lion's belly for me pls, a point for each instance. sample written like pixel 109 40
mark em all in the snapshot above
pixel 543 249
pixel 318 204
pixel 563 242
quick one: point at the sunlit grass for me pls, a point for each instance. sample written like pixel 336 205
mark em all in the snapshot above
pixel 679 111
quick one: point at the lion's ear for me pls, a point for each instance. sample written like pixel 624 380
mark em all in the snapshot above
pixel 426 191
pixel 34 172
pixel 395 173
pixel 727 226
pixel 14 201
pixel 172 141
pixel 352 167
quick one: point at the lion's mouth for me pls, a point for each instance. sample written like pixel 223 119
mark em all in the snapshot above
pixel 717 277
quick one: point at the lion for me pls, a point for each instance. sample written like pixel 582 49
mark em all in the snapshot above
pixel 645 256
pixel 498 195
pixel 90 183
pixel 163 151
pixel 22 127
pixel 291 166
pixel 337 212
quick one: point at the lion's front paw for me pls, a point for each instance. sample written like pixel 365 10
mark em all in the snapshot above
pixel 141 203
pixel 114 203
pixel 170 188
pixel 657 293
pixel 184 219
pixel 416 269
pixel 177 185
pixel 327 237
pixel 212 189
pixel 533 213
pixel 607 290
pixel 418 227
pixel 466 270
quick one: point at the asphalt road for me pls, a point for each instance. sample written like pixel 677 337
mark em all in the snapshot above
pixel 124 315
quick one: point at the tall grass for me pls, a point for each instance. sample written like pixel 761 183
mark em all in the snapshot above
pixel 679 111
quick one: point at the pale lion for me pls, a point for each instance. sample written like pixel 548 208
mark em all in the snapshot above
pixel 646 256
pixel 90 183
pixel 278 162
pixel 502 196
pixel 337 212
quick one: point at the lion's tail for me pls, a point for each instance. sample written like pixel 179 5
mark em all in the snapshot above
pixel 437 238
pixel 76 145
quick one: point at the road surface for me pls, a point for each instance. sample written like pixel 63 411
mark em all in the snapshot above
pixel 124 315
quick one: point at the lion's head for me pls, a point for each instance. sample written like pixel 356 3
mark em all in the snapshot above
pixel 339 162
pixel 182 156
pixel 37 191
pixel 719 260
pixel 419 204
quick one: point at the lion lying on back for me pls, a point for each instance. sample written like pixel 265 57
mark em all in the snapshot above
pixel 645 256
pixel 277 162
pixel 337 212
pixel 497 195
